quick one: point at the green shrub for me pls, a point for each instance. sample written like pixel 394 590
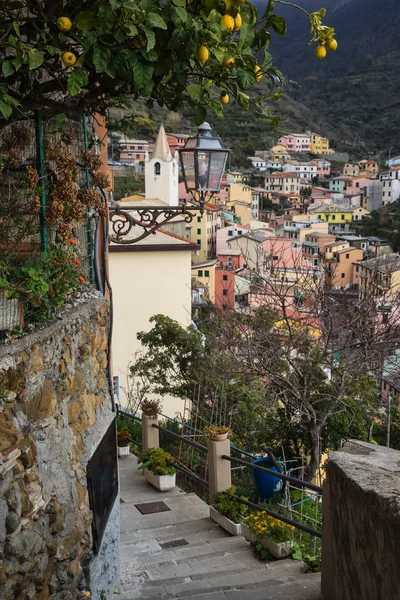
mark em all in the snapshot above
pixel 158 462
pixel 229 506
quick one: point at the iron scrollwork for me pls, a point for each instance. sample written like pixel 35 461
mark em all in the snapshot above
pixel 150 219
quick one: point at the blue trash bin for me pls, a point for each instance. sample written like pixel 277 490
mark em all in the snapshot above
pixel 267 485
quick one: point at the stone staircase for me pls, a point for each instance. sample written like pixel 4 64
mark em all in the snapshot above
pixel 183 554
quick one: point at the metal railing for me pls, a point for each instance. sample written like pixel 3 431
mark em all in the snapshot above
pixel 298 483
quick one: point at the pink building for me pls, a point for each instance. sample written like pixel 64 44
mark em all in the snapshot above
pixel 356 185
pixel 176 141
pixel 231 259
pixel 296 142
pixel 323 168
pixel 227 233
pixel 280 253
pixel 224 288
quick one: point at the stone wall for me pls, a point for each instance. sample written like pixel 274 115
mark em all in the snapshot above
pixel 54 409
pixel 364 510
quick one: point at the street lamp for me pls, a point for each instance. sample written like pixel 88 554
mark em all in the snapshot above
pixel 203 160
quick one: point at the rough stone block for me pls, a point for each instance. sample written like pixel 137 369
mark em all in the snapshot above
pixel 43 404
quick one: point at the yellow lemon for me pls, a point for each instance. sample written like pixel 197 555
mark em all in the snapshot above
pixel 228 62
pixel 69 59
pixel 64 24
pixel 332 45
pixel 320 52
pixel 224 98
pixel 203 54
pixel 257 68
pixel 228 23
pixel 238 22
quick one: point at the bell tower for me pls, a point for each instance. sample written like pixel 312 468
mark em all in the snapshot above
pixel 161 172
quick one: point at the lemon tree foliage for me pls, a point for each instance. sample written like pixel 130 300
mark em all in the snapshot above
pixel 65 56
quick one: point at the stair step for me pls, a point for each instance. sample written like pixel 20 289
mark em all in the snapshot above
pixel 303 587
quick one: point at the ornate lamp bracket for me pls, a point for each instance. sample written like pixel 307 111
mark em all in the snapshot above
pixel 150 219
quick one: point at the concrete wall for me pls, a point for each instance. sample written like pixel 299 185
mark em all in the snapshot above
pixel 146 284
pixel 364 503
pixel 55 408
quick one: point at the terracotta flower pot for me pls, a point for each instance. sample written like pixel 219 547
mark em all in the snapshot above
pixel 219 437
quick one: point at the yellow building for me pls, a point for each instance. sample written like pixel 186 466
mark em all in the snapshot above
pixel 334 215
pixel 150 277
pixel 204 274
pixel 371 166
pixel 338 263
pixel 204 233
pixel 239 191
pixel 319 144
pixel 243 211
pixel 279 153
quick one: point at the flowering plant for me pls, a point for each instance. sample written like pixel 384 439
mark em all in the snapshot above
pixel 123 438
pixel 265 526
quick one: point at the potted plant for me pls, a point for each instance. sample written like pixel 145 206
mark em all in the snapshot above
pixel 274 535
pixel 227 511
pixel 159 469
pixel 217 433
pixel 150 408
pixel 123 440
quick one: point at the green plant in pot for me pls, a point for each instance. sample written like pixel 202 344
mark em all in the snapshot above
pixel 217 433
pixel 228 505
pixel 158 467
pixel 123 442
pixel 150 408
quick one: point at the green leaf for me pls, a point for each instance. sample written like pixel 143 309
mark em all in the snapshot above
pixel 178 2
pixel 217 108
pixel 179 15
pixel 131 29
pixel 85 20
pixel 156 20
pixel 178 38
pixel 36 59
pixel 126 60
pixel 76 81
pixel 243 101
pixel 101 57
pixel 7 68
pixel 5 110
pixel 269 9
pixel 277 23
pixel 17 64
pixel 142 73
pixel 151 55
pixel 200 115
pixel 58 122
pixel 253 13
pixel 195 91
pixel 16 29
pixel 219 54
pixel 246 36
pixel 166 77
pixel 151 38
pixel 246 79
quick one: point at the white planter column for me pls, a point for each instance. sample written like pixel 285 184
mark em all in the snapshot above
pixel 219 469
pixel 150 435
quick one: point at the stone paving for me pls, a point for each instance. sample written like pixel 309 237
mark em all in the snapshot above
pixel 211 565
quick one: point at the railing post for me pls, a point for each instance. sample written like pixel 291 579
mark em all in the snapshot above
pixel 219 469
pixel 327 572
pixel 150 435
